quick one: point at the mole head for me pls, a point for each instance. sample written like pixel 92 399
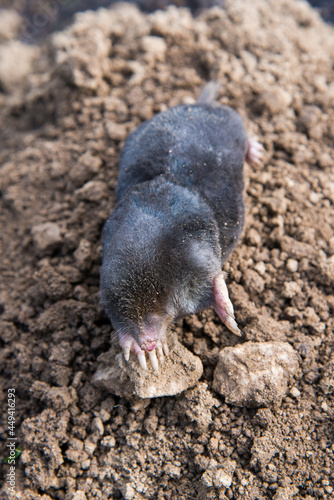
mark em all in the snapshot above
pixel 161 276
pixel 135 301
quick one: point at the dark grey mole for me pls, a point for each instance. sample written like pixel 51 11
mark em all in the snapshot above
pixel 179 215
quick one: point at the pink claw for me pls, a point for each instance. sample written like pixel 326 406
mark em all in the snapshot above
pixel 223 305
pixel 129 344
pixel 160 351
pixel 154 360
pixel 254 153
pixel 142 360
pixel 165 347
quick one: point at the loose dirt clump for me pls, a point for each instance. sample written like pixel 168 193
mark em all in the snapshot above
pixel 65 121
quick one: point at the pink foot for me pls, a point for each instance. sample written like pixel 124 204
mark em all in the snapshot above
pixel 254 153
pixel 159 347
pixel 223 305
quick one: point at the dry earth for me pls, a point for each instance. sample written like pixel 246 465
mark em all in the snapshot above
pixel 66 109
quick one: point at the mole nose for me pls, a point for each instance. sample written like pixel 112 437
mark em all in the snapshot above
pixel 148 345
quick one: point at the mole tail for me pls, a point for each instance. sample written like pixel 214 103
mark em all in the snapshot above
pixel 209 94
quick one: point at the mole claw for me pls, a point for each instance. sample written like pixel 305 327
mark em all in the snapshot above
pixel 160 351
pixel 142 360
pixel 165 348
pixel 232 326
pixel 153 357
pixel 126 352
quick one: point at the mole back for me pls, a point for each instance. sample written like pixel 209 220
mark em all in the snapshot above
pixel 203 147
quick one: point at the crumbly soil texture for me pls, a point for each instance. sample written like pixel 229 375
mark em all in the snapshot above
pixel 66 109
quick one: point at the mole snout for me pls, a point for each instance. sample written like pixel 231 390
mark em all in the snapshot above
pixel 148 337
pixel 179 215
pixel 148 345
pixel 149 333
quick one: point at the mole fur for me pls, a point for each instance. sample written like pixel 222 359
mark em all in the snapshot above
pixel 179 215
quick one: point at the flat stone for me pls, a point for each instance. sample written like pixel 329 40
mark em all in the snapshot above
pixel 177 372
pixel 255 374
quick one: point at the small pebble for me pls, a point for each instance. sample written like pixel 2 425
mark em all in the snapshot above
pixel 10 24
pixel 292 265
pixel 46 237
pixel 109 442
pixel 89 446
pixel 291 289
pixel 155 46
pixel 276 100
pixel 93 191
pixel 83 255
pixel 295 393
pixel 79 495
pixel 85 465
pixel 222 479
pixel 260 267
pixel 98 426
pixel 172 470
pixel 324 406
pixel 253 237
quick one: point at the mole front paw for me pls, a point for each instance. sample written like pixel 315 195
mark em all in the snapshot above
pixel 254 155
pixel 129 345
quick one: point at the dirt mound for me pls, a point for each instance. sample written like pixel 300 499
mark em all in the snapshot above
pixel 66 115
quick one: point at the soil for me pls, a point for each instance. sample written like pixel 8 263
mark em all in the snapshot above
pixel 42 18
pixel 66 114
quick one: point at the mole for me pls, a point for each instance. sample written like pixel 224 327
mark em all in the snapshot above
pixel 179 215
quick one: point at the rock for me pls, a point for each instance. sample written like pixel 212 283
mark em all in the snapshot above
pixel 263 417
pixel 74 48
pixel 253 281
pixel 83 255
pixel 326 272
pixel 263 450
pixel 196 404
pixel 97 426
pixel 47 237
pixel 155 47
pixel 10 24
pixel 42 438
pixel 291 289
pixel 16 61
pixel 179 371
pixel 255 374
pixel 172 470
pixel 84 169
pixel 327 381
pixel 298 249
pixel 286 493
pixel 59 398
pixel 277 202
pixel 79 495
pixel 292 265
pixel 253 237
pixel 61 353
pixel 219 475
pixel 89 446
pixel 294 392
pixel 93 191
pixel 276 100
pixel 75 452
pixel 55 286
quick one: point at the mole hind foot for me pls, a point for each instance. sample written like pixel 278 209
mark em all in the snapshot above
pixel 254 153
pixel 129 344
pixel 223 305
